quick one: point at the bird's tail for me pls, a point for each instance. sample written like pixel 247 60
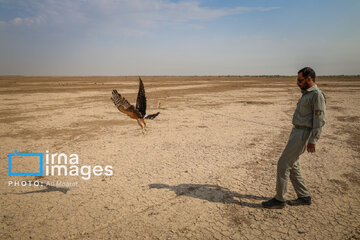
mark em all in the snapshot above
pixel 152 116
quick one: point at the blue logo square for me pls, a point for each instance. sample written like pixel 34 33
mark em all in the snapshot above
pixel 15 153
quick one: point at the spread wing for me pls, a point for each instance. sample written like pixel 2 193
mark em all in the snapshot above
pixel 124 106
pixel 141 99
pixel 152 116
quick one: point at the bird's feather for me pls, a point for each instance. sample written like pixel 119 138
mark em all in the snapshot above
pixel 141 99
pixel 124 106
pixel 151 116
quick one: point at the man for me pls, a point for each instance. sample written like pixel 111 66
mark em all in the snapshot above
pixel 308 120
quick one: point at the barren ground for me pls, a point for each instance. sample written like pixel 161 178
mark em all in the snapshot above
pixel 200 172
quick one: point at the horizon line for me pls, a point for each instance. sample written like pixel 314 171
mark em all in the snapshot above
pixel 195 75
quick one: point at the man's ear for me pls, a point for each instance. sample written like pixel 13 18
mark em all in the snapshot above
pixel 308 79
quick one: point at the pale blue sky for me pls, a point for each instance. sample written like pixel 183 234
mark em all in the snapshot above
pixel 164 37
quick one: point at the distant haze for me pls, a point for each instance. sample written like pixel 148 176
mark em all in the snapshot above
pixel 164 37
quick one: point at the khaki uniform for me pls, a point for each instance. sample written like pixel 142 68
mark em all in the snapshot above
pixel 308 120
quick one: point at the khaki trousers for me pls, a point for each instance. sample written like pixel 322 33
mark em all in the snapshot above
pixel 288 165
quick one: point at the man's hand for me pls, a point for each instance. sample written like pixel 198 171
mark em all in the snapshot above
pixel 311 148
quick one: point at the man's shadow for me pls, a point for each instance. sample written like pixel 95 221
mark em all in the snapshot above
pixel 211 193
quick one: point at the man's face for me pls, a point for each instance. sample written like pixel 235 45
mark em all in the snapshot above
pixel 302 82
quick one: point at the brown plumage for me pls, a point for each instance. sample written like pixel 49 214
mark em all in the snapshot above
pixel 138 112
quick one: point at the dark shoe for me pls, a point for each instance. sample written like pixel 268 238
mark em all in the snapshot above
pixel 273 204
pixel 300 201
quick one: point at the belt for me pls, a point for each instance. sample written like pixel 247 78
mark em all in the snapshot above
pixel 302 127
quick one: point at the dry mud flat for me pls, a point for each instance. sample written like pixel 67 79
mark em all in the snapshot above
pixel 200 172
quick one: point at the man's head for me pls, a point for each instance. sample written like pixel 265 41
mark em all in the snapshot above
pixel 306 78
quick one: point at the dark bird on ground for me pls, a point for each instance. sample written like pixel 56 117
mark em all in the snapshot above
pixel 138 112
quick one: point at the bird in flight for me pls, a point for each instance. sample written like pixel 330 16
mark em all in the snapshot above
pixel 138 112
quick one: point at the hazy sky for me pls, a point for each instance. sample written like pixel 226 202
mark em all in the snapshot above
pixel 167 37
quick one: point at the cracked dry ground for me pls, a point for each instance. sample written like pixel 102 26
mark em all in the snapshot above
pixel 201 170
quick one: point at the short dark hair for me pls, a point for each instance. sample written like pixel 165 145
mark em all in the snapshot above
pixel 308 71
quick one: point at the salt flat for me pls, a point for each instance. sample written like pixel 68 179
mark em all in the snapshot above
pixel 201 170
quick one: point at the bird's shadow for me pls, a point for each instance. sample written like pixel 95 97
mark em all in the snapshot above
pixel 211 193
pixel 48 188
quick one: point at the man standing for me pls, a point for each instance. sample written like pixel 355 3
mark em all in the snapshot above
pixel 308 120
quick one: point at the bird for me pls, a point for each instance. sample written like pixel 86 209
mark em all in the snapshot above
pixel 138 112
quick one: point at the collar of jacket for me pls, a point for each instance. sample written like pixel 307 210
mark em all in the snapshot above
pixel 313 88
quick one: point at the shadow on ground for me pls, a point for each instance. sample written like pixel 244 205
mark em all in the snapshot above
pixel 48 188
pixel 211 193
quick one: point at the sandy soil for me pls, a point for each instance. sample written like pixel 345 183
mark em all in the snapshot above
pixel 200 172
